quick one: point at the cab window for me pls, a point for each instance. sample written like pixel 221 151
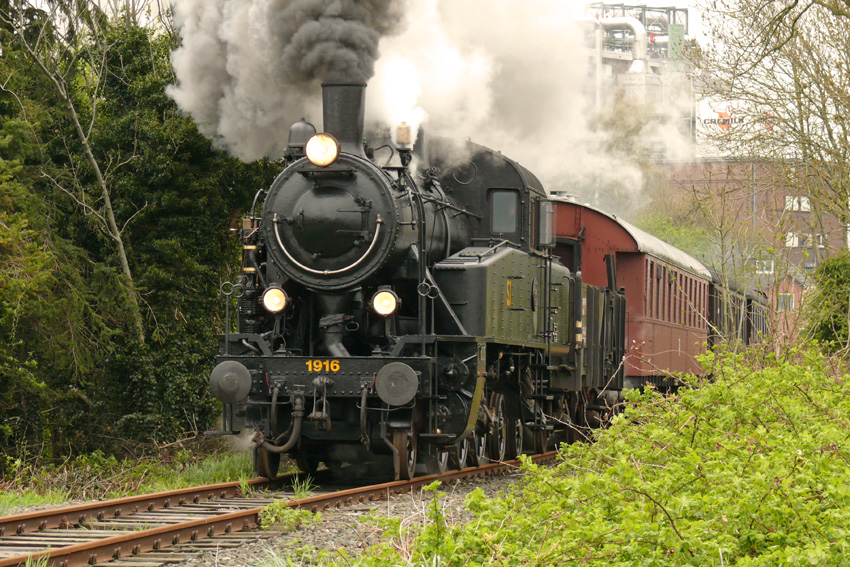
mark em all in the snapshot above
pixel 504 211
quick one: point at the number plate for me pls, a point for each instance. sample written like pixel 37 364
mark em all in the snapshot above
pixel 322 365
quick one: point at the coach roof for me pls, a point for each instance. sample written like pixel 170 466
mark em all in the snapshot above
pixel 649 244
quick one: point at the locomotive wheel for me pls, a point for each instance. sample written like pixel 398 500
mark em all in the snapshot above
pixel 476 449
pixel 437 459
pixel 266 463
pixel 578 414
pixel 404 461
pixel 513 439
pixel 541 441
pixel 307 463
pixel 497 443
pixel 459 454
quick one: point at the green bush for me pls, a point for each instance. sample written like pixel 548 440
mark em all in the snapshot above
pixel 280 516
pixel 750 469
pixel 74 374
pixel 827 305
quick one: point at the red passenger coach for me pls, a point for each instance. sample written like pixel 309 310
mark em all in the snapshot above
pixel 666 289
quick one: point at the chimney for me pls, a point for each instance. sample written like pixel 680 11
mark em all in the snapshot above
pixel 344 107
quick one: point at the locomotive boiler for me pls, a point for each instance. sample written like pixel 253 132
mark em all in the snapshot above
pixel 408 317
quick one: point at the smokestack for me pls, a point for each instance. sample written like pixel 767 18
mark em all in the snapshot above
pixel 344 108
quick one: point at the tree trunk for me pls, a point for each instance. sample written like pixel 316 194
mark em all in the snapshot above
pixel 111 226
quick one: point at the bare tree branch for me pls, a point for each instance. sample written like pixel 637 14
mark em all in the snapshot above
pixel 57 76
pixel 134 215
pixel 81 201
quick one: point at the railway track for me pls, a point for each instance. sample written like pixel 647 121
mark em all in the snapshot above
pixel 136 531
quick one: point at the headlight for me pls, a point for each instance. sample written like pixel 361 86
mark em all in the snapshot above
pixel 274 299
pixel 322 150
pixel 384 302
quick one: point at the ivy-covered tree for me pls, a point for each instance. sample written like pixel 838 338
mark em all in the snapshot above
pixel 827 308
pixel 74 374
pixel 51 329
pixel 64 41
pixel 184 195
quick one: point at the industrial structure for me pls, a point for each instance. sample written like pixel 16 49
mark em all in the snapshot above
pixel 639 53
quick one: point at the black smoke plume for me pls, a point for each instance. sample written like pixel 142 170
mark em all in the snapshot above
pixel 247 69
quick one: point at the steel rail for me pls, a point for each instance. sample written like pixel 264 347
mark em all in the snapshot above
pixel 133 544
pixel 81 513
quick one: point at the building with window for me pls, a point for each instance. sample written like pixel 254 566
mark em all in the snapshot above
pixel 776 231
pixel 785 231
pixel 775 236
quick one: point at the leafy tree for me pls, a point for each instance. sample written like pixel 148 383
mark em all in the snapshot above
pixel 65 42
pixel 789 86
pixel 65 342
pixel 183 195
pixel 828 305
pixel 676 230
pixel 51 326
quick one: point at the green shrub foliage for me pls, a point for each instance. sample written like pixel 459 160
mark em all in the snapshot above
pixel 73 374
pixel 749 469
pixel 827 306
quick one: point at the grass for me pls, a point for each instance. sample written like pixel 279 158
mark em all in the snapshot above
pixel 39 562
pixel 10 501
pixel 293 557
pixel 98 476
pixel 221 468
pixel 303 487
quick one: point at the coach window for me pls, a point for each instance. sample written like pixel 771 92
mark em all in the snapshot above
pixel 504 211
pixel 674 296
pixel 677 290
pixel 651 290
pixel 680 289
pixel 696 301
pixel 657 291
pixel 697 304
pixel 668 289
pixel 691 301
pixel 671 282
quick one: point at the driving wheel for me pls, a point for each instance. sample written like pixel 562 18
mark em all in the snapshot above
pixel 404 459
pixel 513 439
pixel 476 449
pixel 458 454
pixel 266 463
pixel 497 443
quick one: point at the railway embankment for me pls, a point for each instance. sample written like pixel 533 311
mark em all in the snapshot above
pixel 750 468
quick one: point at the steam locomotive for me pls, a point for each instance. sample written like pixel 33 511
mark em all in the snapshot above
pixel 409 314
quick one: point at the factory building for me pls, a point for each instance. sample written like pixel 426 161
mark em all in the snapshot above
pixel 640 52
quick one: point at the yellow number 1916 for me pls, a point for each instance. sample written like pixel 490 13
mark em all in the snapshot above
pixel 322 365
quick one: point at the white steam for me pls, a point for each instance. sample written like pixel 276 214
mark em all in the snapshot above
pixel 248 69
pixel 516 80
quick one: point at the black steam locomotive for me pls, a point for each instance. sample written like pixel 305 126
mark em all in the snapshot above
pixel 413 316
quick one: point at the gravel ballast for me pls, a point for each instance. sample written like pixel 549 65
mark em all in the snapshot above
pixel 349 528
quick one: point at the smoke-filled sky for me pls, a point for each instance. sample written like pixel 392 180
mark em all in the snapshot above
pixel 510 75
pixel 247 69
